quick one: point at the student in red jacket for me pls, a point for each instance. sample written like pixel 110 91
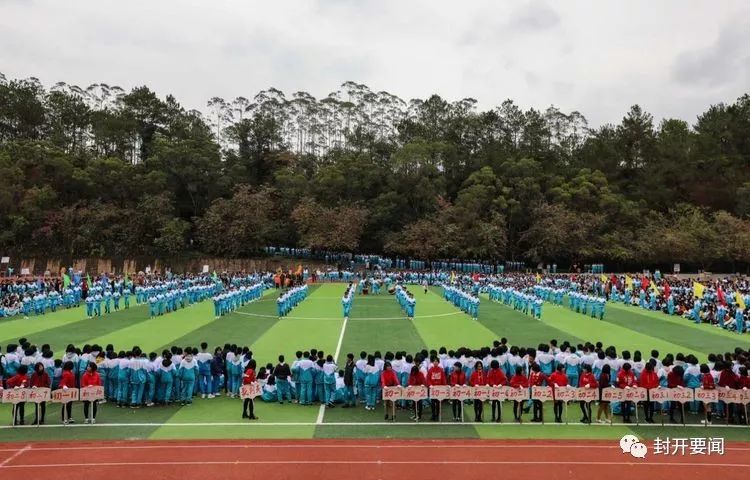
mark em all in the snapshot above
pixel 603 408
pixel 436 376
pixel 40 379
pixel 416 378
pixel 586 380
pixel 457 377
pixel 558 379
pixel 478 378
pixel 248 406
pixel 90 378
pixel 675 379
pixel 496 378
pixel 518 380
pixel 537 379
pixel 727 379
pixel 67 380
pixel 389 379
pixel 707 383
pixel 19 380
pixel 626 379
pixel 649 380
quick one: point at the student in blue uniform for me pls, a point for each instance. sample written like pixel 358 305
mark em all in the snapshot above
pixel 188 374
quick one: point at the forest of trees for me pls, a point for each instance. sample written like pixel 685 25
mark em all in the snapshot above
pixel 99 171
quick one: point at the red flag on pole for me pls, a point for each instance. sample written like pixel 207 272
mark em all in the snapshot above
pixel 644 283
pixel 667 290
pixel 720 294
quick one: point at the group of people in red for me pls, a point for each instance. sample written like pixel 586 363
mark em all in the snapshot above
pixel 40 379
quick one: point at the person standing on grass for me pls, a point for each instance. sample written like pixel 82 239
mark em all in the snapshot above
pixel 478 379
pixel 586 380
pixel 349 376
pixel 388 379
pixel 558 379
pixel 248 405
pixel 90 378
pixel 40 379
pixel 457 377
pixel 329 381
pixel 19 380
pixel 518 381
pixel 496 378
pixel 537 378
pixel 649 380
pixel 604 382
pixel 282 372
pixel 416 378
pixel 68 380
pixel 372 380
pixel 707 383
pixel 204 371
pixel 436 376
pixel 188 371
pixel 626 379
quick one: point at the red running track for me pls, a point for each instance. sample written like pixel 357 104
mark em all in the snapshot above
pixel 360 459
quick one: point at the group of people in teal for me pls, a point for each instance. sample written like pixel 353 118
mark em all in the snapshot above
pixel 467 302
pixel 406 301
pixel 290 298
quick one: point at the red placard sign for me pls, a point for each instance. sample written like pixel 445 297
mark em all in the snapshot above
pixel 90 394
pixel 65 395
pixel 251 390
pixel 38 395
pixel 15 395
pixel 498 393
pixel 659 394
pixel 540 393
pixel 612 394
pixel 681 395
pixel 517 394
pixel 730 395
pixel 415 392
pixel 706 396
pixel 635 394
pixel 587 394
pixel 393 393
pixel 440 392
pixel 461 392
pixel 481 392
pixel 565 394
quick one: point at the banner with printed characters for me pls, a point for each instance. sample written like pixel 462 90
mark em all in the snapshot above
pixel 565 394
pixel 440 392
pixel 481 392
pixel 90 394
pixel 681 395
pixel 15 395
pixel 251 390
pixel 65 395
pixel 38 395
pixel 612 394
pixel 706 396
pixel 461 392
pixel 517 394
pixel 543 394
pixel 586 394
pixel 415 392
pixel 393 393
pixel 635 394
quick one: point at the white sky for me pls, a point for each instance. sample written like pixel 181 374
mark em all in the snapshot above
pixel 673 57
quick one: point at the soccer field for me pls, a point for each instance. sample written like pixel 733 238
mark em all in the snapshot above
pixel 376 323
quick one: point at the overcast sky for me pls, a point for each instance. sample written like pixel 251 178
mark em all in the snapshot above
pixel 673 57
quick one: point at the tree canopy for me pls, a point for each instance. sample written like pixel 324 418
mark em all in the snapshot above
pixel 99 171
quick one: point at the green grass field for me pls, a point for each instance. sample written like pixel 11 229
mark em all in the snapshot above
pixel 376 323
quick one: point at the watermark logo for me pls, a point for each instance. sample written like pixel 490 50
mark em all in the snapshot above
pixel 630 444
pixel 672 446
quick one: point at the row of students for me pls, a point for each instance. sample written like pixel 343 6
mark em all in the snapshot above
pixel 290 299
pixel 468 303
pixel 406 301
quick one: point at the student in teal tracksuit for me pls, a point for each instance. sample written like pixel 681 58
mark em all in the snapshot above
pixel 319 394
pixel 166 380
pixel 188 375
pixel 306 370
pixel 295 376
pixel 123 378
pixel 372 380
pixel 329 381
pixel 138 377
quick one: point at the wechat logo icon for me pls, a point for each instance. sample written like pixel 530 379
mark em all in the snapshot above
pixel 630 444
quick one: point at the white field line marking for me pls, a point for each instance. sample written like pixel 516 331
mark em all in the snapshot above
pixel 354 318
pixel 322 410
pixel 377 462
pixel 15 455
